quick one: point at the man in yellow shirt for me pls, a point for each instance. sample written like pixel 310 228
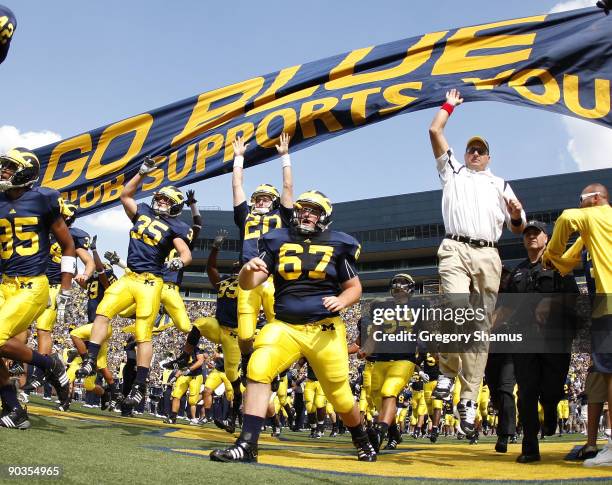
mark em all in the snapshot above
pixel 593 221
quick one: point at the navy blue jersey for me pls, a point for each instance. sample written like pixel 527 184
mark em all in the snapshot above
pixel 81 241
pixel 8 24
pixel 429 365
pixel 227 302
pixel 151 240
pixel 253 226
pixel 404 398
pixel 95 293
pixel 306 269
pixel 310 373
pixel 416 384
pixel 25 225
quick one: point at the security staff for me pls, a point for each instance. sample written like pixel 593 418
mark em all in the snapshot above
pixel 547 323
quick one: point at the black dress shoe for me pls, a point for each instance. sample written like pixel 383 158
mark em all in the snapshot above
pixel 502 444
pixel 528 458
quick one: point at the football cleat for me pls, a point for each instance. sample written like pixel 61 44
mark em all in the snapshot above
pixel 170 420
pixel 17 418
pixel 57 377
pixel 88 368
pixel 395 438
pixel 365 450
pixel 136 395
pixel 467 415
pixel 105 399
pixel 225 425
pixel 443 387
pixel 241 451
pixel 16 369
pixel 374 437
pixel 433 435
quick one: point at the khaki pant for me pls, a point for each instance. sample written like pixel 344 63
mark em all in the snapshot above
pixel 470 276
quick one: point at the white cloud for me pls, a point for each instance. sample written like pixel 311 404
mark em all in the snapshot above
pixel 113 220
pixel 11 137
pixel 571 5
pixel 589 145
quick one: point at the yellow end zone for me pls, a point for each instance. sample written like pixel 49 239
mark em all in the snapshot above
pixel 412 459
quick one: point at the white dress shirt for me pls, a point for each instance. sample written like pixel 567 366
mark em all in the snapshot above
pixel 473 203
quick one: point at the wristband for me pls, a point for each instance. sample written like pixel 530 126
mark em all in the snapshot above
pixel 68 264
pixel 285 160
pixel 448 108
pixel 238 161
pixel 516 222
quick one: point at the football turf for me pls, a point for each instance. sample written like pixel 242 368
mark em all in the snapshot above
pixel 98 447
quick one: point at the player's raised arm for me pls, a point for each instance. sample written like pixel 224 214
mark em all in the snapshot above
pixel 184 255
pixel 211 267
pixel 436 129
pixel 283 150
pixel 237 173
pixel 130 189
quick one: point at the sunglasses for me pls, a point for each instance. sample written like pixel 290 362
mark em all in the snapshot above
pixel 480 150
pixel 583 197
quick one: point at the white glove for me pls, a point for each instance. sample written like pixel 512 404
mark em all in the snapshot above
pixel 175 264
pixel 148 165
pixel 424 376
pixel 63 301
pixel 221 235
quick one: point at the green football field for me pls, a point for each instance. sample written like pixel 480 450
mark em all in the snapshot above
pixel 99 447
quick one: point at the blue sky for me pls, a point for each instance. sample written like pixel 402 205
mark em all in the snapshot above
pixel 74 66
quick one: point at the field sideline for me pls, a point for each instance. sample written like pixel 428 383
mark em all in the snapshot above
pixel 98 447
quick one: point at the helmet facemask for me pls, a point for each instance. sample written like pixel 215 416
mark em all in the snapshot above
pixel 23 166
pixel 268 191
pixel 401 287
pixel 173 202
pixel 311 203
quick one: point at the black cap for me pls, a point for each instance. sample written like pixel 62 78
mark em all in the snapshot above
pixel 537 224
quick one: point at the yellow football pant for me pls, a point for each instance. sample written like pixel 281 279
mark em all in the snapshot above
pixel 144 289
pixel 282 390
pixel 314 397
pixel 249 304
pixel 563 409
pixel 22 300
pixel 46 321
pixel 175 307
pixel 432 404
pixel 193 383
pixel 323 344
pixel 214 380
pixel 389 378
pixel 211 329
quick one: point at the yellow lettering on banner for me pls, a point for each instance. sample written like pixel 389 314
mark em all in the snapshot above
pixel 204 117
pixel 342 76
pixel 290 98
pixel 393 94
pixel 74 167
pixel 358 104
pixel 95 191
pixel 208 147
pixel 283 77
pixel 491 83
pixel 172 162
pixel 158 176
pixel 319 109
pixel 245 130
pixel 551 94
pixel 140 125
pixel 289 121
pixel 111 190
pixel 456 57
pixel 571 96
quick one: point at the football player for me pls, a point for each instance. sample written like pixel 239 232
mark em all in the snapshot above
pixel 429 374
pixel 214 380
pixel 27 217
pixel 156 231
pixel 46 322
pixel 268 210
pixel 390 371
pixel 221 329
pixel 171 299
pixel 191 379
pixel 314 278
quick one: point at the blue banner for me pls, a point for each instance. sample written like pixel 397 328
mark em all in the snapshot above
pixel 8 24
pixel 558 62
